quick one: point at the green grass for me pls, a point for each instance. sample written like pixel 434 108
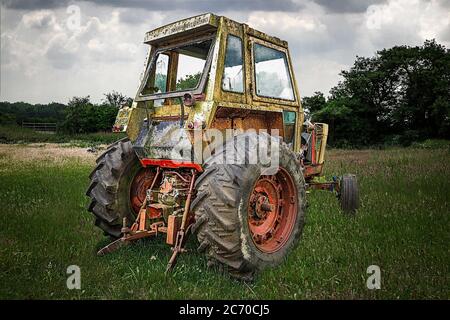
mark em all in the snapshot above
pixel 15 134
pixel 402 226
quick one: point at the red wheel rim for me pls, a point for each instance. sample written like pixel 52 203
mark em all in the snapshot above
pixel 138 188
pixel 272 211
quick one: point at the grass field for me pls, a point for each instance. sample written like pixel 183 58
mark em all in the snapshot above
pixel 403 226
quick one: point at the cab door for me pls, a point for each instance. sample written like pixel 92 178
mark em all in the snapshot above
pixel 272 85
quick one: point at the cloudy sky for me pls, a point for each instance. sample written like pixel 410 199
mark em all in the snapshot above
pixel 48 54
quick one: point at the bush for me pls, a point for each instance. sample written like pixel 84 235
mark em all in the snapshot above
pixel 84 117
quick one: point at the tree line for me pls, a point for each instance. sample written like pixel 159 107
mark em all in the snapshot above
pixel 80 115
pixel 398 96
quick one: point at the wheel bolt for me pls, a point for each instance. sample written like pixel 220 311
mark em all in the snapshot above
pixel 266 206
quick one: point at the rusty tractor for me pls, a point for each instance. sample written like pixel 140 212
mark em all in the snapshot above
pixel 211 91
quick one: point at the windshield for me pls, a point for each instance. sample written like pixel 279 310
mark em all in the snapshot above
pixel 177 69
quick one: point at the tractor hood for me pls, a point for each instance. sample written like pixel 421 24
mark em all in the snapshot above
pixel 164 139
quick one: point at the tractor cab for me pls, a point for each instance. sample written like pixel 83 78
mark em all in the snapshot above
pixel 211 73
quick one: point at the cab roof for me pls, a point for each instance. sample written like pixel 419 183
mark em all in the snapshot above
pixel 201 23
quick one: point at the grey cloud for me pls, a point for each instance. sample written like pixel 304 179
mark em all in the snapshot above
pixel 446 34
pixel 34 4
pixel 133 16
pixel 155 5
pixel 59 57
pixel 60 61
pixel 444 3
pixel 347 6
pixel 41 22
pixel 205 5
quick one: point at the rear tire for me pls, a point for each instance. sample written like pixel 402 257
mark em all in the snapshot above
pixel 349 193
pixel 109 189
pixel 221 211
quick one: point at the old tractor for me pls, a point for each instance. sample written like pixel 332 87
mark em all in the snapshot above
pixel 214 95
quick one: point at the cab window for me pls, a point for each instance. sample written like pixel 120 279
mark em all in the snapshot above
pixel 233 77
pixel 289 118
pixel 162 65
pixel 272 73
pixel 188 61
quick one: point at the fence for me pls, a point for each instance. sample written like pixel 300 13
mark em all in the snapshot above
pixel 40 126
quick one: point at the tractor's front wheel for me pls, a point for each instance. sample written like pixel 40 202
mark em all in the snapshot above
pixel 246 217
pixel 349 193
pixel 118 187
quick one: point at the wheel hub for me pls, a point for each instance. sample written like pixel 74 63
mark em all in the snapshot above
pixel 272 211
pixel 262 205
pixel 138 188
